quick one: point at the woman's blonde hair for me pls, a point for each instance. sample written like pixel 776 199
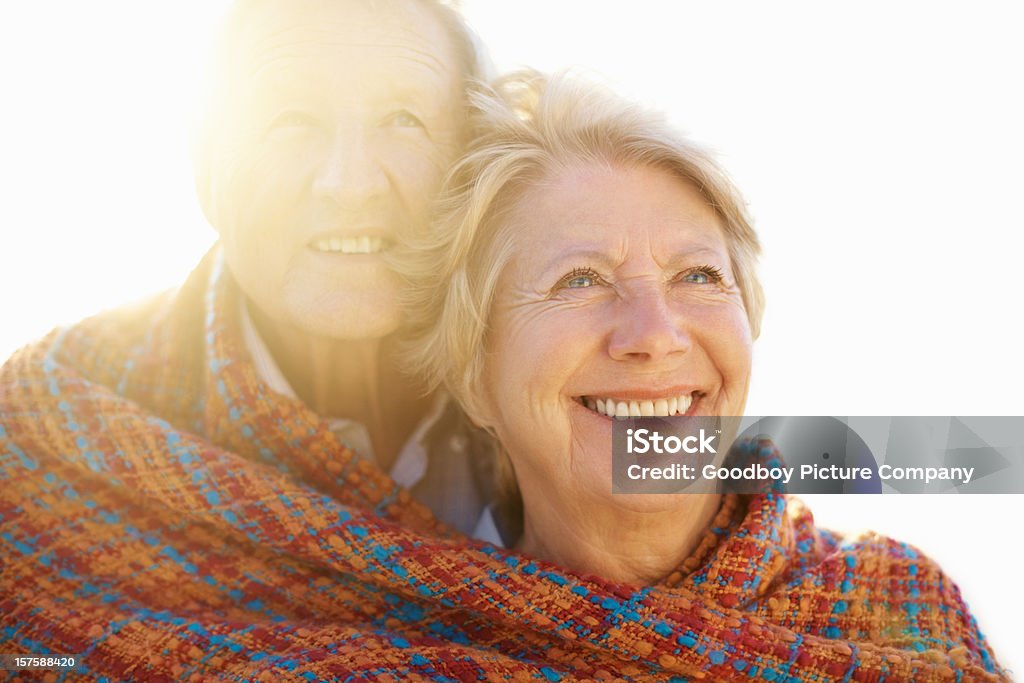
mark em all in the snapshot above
pixel 528 127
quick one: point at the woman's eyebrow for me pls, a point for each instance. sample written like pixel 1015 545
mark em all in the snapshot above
pixel 696 252
pixel 578 257
pixel 555 266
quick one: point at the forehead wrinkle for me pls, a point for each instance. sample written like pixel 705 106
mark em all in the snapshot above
pixel 615 253
pixel 692 235
pixel 260 58
pixel 354 24
pixel 285 77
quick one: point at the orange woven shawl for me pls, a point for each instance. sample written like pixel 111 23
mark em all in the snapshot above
pixel 164 516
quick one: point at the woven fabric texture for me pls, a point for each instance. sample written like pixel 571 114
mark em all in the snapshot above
pixel 165 516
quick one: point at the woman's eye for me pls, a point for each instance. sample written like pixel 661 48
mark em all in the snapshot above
pixel 703 275
pixel 697 278
pixel 579 282
pixel 404 119
pixel 579 278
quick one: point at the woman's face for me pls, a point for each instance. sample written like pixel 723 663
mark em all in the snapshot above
pixel 619 292
pixel 343 119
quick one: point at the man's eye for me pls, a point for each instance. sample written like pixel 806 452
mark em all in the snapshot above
pixel 579 278
pixel 403 119
pixel 293 119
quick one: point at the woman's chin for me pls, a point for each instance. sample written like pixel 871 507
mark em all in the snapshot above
pixel 592 470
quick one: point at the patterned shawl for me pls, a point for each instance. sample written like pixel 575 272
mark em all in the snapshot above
pixel 164 516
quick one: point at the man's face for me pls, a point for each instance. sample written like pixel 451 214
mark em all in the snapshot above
pixel 343 118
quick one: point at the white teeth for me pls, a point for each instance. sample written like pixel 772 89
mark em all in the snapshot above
pixel 349 245
pixel 661 407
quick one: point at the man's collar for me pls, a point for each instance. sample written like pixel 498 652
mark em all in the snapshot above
pixel 262 360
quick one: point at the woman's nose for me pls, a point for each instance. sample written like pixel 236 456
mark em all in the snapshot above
pixel 350 173
pixel 646 328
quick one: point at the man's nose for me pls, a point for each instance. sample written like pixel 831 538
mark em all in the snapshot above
pixel 647 328
pixel 351 172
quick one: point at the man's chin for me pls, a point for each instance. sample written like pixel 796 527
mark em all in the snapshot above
pixel 349 323
pixel 348 304
pixel 354 317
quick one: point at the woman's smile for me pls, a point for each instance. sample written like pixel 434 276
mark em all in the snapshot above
pixel 663 404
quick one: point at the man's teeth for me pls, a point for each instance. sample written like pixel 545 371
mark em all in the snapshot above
pixel 661 407
pixel 349 245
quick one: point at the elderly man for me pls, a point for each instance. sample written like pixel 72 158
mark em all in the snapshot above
pixel 205 441
pixel 331 127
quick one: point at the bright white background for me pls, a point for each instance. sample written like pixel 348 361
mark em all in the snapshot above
pixel 879 145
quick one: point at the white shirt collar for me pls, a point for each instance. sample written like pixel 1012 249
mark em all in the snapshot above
pixel 262 360
pixel 486 529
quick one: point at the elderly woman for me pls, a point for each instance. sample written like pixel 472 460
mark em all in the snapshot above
pixel 591 264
